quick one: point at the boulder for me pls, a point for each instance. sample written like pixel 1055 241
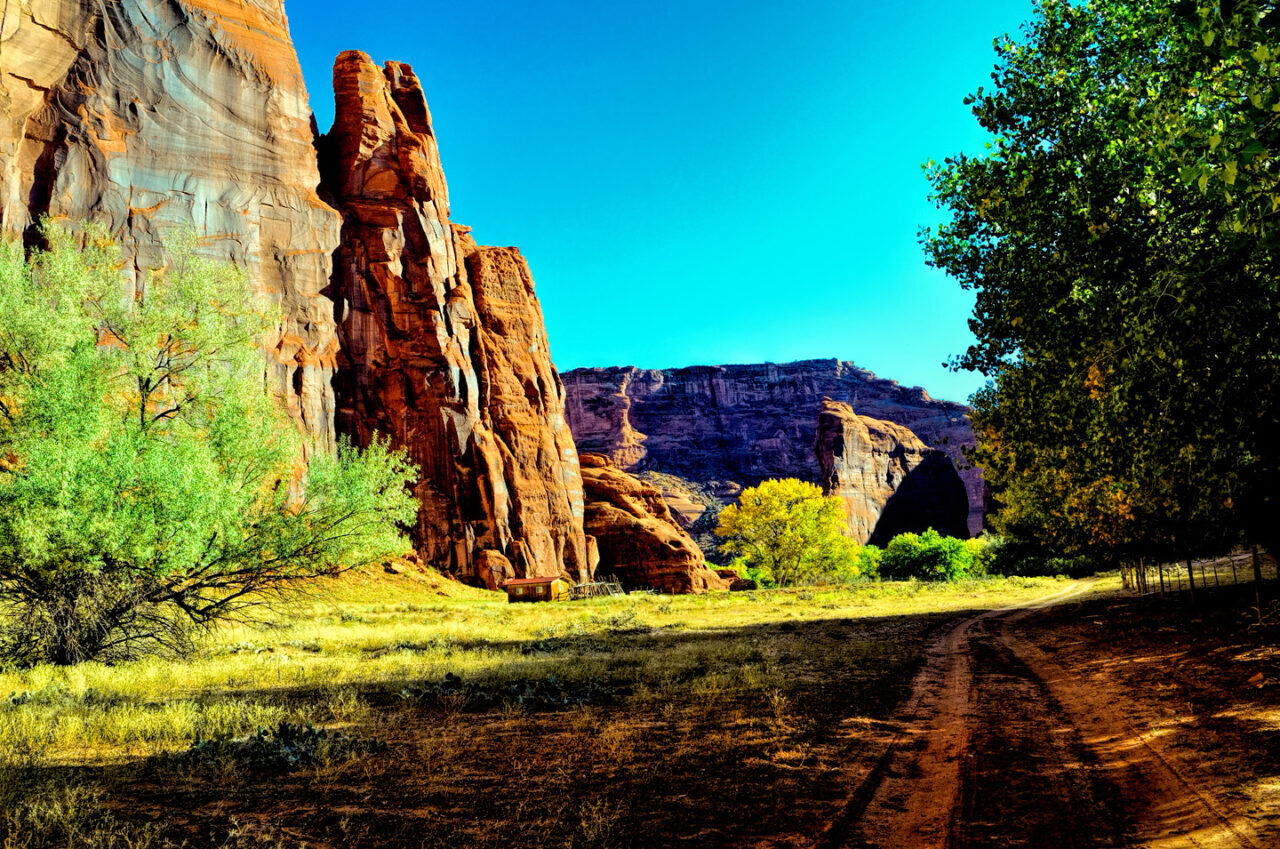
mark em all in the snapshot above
pixel 639 541
pixel 493 569
pixel 737 583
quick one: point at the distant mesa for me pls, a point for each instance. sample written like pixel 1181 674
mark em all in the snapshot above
pixel 732 426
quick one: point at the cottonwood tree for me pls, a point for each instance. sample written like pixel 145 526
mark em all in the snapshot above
pixel 149 482
pixel 789 531
pixel 1124 265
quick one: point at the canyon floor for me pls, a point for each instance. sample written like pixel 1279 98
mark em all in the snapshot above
pixel 1020 712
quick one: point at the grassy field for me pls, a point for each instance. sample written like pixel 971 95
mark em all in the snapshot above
pixel 445 716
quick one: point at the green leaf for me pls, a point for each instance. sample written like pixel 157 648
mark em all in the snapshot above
pixel 1252 151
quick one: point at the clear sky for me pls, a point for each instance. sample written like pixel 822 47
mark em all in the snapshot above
pixel 700 181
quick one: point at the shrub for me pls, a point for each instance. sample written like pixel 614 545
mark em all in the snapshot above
pixel 867 560
pixel 285 747
pixel 148 481
pixel 1013 557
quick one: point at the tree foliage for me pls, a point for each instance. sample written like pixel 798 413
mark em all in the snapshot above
pixel 149 482
pixel 788 531
pixel 929 556
pixel 1120 237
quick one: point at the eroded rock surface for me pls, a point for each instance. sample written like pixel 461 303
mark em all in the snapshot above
pixel 443 347
pixel 638 539
pixel 153 116
pixel 889 481
pixel 740 424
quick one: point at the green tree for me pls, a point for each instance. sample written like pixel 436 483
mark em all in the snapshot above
pixel 149 482
pixel 1126 309
pixel 788 530
pixel 927 557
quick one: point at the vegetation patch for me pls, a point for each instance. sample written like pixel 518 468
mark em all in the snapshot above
pixel 285 747
pixel 550 693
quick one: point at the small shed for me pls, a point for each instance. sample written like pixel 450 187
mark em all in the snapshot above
pixel 537 589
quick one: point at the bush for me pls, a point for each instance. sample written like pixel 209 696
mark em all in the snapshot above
pixel 150 485
pixel 927 557
pixel 1013 557
pixel 285 747
pixel 866 561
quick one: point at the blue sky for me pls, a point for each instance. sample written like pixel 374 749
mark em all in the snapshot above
pixel 701 181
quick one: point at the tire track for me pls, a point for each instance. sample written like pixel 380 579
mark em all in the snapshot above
pixel 999 746
pixel 909 796
pixel 1169 803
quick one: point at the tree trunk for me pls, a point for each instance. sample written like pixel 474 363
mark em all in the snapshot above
pixel 1160 566
pixel 1191 579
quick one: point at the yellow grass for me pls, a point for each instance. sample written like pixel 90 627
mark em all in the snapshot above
pixel 324 657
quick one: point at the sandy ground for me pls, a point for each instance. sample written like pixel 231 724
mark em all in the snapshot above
pixel 1022 730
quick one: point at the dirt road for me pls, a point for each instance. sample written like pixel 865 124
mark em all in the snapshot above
pixel 999 746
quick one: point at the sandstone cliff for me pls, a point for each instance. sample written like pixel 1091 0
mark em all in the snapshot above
pixel 443 346
pixel 152 116
pixel 155 116
pixel 890 481
pixel 732 426
pixel 639 541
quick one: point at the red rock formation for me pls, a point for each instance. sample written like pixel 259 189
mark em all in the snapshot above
pixel 639 541
pixel 153 116
pixel 728 426
pixel 443 346
pixel 156 115
pixel 600 412
pixel 890 481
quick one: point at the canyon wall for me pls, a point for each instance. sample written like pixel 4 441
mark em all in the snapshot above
pixel 155 116
pixel 888 480
pixel 151 116
pixel 731 426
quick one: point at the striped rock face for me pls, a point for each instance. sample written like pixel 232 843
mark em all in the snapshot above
pixel 443 346
pixel 156 116
pixel 153 117
pixel 887 479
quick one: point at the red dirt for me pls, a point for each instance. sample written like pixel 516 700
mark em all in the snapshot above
pixel 1003 745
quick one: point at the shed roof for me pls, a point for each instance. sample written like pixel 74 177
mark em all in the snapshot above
pixel 524 582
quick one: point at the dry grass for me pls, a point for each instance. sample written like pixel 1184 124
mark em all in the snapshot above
pixel 655 693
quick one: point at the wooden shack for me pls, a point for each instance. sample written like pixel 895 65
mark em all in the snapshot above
pixel 537 589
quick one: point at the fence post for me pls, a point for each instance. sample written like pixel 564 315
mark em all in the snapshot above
pixel 1257 582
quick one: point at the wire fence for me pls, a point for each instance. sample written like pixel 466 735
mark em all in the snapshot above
pixel 1230 570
